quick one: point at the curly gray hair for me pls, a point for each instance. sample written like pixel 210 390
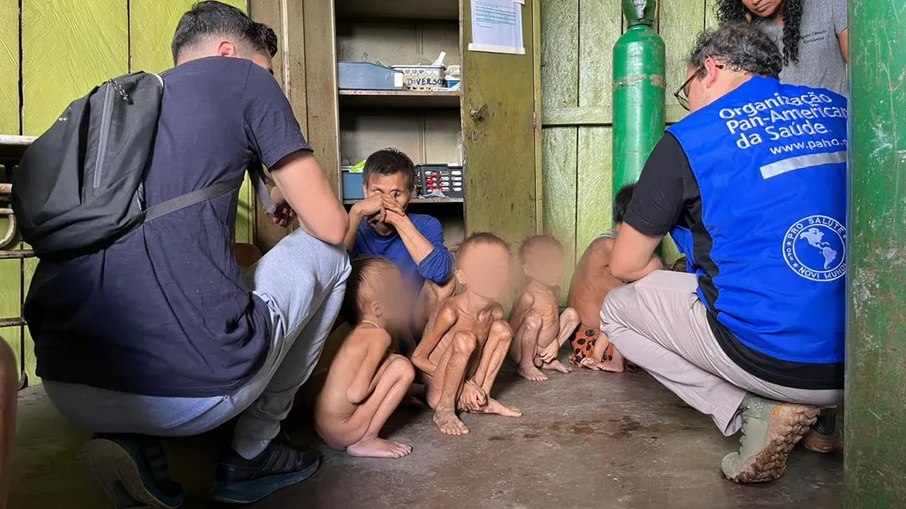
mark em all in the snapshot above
pixel 741 46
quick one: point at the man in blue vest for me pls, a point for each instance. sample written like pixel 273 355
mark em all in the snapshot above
pixel 752 187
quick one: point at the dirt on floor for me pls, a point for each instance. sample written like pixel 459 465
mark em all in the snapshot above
pixel 587 440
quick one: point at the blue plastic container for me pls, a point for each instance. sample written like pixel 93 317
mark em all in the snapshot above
pixel 352 186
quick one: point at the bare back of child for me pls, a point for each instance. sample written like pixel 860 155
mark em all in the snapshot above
pixel 365 383
pixel 591 282
pixel 540 328
pixel 466 340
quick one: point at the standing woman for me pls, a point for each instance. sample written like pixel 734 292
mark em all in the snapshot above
pixel 811 34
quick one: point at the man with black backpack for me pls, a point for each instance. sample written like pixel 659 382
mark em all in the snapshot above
pixel 151 330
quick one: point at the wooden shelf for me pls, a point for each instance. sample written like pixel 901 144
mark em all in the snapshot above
pixel 393 99
pixel 398 9
pixel 12 146
pixel 418 201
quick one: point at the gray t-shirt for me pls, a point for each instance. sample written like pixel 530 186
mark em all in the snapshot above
pixel 821 63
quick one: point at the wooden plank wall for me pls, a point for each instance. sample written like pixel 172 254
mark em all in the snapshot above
pixel 68 47
pixel 576 71
pixel 305 66
pixel 10 270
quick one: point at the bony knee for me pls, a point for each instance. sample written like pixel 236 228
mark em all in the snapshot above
pixel 570 314
pixel 403 368
pixel 533 321
pixel 464 342
pixel 502 330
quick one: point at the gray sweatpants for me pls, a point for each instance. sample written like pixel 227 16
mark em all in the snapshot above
pixel 660 324
pixel 302 280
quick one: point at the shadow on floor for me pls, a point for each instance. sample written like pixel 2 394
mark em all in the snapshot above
pixel 587 440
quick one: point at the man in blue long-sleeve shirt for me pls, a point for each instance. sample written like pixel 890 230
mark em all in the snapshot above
pixel 379 225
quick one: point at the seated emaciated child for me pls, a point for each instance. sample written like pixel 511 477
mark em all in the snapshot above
pixel 466 341
pixel 379 225
pixel 365 383
pixel 540 328
pixel 591 282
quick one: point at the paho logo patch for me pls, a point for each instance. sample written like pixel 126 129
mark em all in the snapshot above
pixel 815 248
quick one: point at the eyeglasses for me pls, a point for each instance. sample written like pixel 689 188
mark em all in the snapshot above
pixel 682 95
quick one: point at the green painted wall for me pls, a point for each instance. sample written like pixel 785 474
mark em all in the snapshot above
pixel 577 41
pixel 10 270
pixel 68 47
pixel 71 45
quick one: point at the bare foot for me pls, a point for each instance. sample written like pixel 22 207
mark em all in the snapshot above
pixel 531 373
pixel 449 424
pixel 556 365
pixel 612 366
pixel 378 448
pixel 495 407
pixel 588 362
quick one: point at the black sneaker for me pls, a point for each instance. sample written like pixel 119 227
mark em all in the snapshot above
pixel 825 436
pixel 242 481
pixel 132 470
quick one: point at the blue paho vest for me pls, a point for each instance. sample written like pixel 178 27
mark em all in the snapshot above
pixel 770 161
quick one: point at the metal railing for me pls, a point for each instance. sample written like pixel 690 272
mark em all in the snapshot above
pixel 11 150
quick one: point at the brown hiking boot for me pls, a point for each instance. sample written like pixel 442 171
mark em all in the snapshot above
pixel 770 430
pixel 825 436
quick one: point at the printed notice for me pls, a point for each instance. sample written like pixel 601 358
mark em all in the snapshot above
pixel 497 27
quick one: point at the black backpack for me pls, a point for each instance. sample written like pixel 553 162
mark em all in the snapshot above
pixel 80 185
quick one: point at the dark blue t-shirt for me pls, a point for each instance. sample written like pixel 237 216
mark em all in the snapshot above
pixel 164 311
pixel 437 266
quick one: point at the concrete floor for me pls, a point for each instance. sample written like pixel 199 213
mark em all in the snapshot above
pixel 587 440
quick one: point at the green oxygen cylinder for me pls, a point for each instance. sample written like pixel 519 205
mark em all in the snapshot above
pixel 638 92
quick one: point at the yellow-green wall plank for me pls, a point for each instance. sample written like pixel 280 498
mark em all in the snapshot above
pixel 10 270
pixel 11 303
pixel 559 146
pixel 560 89
pixel 9 67
pixel 711 14
pixel 681 22
pixel 69 47
pixel 600 25
pixel 152 25
pixel 594 185
pixel 560 53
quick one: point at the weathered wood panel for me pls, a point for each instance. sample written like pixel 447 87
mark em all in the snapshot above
pixel 11 303
pixel 578 40
pixel 681 22
pixel 600 27
pixel 711 14
pixel 560 89
pixel 270 12
pixel 499 111
pixel 10 270
pixel 9 67
pixel 320 77
pixel 595 185
pixel 68 47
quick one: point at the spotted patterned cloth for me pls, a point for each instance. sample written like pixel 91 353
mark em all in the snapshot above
pixel 583 344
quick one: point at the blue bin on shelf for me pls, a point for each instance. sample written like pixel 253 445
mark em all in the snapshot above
pixel 352 186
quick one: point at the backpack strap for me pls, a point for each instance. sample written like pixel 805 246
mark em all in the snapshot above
pixel 256 175
pixel 189 199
